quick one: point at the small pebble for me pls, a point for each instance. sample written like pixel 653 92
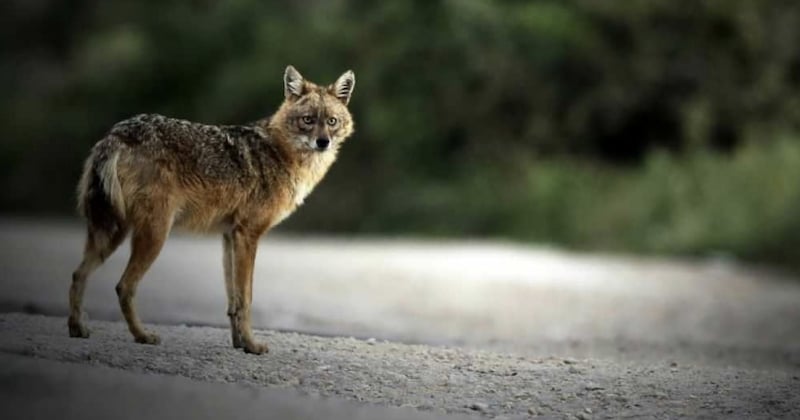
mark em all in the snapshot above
pixel 479 406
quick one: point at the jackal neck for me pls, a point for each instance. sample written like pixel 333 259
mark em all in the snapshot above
pixel 309 171
pixel 305 168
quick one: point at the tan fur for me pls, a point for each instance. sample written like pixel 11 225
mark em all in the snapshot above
pixel 151 173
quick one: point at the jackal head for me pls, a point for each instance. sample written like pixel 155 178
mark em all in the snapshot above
pixel 315 118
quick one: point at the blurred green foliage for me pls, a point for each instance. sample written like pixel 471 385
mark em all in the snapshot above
pixel 742 204
pixel 646 125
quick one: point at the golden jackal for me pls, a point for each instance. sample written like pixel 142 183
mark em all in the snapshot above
pixel 152 172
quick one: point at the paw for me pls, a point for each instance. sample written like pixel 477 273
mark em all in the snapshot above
pixel 78 330
pixel 148 339
pixel 256 348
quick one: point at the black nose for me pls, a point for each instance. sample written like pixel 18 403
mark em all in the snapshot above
pixel 322 143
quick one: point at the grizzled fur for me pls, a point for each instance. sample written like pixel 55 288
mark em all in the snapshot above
pixel 151 173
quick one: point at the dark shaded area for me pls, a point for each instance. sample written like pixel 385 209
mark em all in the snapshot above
pixel 44 389
pixel 610 125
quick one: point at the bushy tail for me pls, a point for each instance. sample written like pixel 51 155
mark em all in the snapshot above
pixel 100 198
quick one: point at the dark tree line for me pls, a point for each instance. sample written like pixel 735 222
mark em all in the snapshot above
pixel 446 90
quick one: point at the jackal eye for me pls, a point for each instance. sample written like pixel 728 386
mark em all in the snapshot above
pixel 332 121
pixel 307 119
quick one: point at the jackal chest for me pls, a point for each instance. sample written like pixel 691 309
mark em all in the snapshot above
pixel 297 196
pixel 301 191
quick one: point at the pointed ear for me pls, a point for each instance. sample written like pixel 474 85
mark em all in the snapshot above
pixel 343 87
pixel 292 82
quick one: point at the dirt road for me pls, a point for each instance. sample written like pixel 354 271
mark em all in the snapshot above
pixel 500 330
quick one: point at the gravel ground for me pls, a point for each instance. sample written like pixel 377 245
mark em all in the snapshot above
pixel 490 329
pixel 428 378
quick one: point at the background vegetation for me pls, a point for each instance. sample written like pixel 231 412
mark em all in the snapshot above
pixel 653 126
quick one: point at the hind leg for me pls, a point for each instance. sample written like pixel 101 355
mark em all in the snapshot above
pixel 146 243
pixel 99 246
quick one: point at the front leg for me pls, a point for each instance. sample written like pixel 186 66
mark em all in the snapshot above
pixel 230 287
pixel 245 242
